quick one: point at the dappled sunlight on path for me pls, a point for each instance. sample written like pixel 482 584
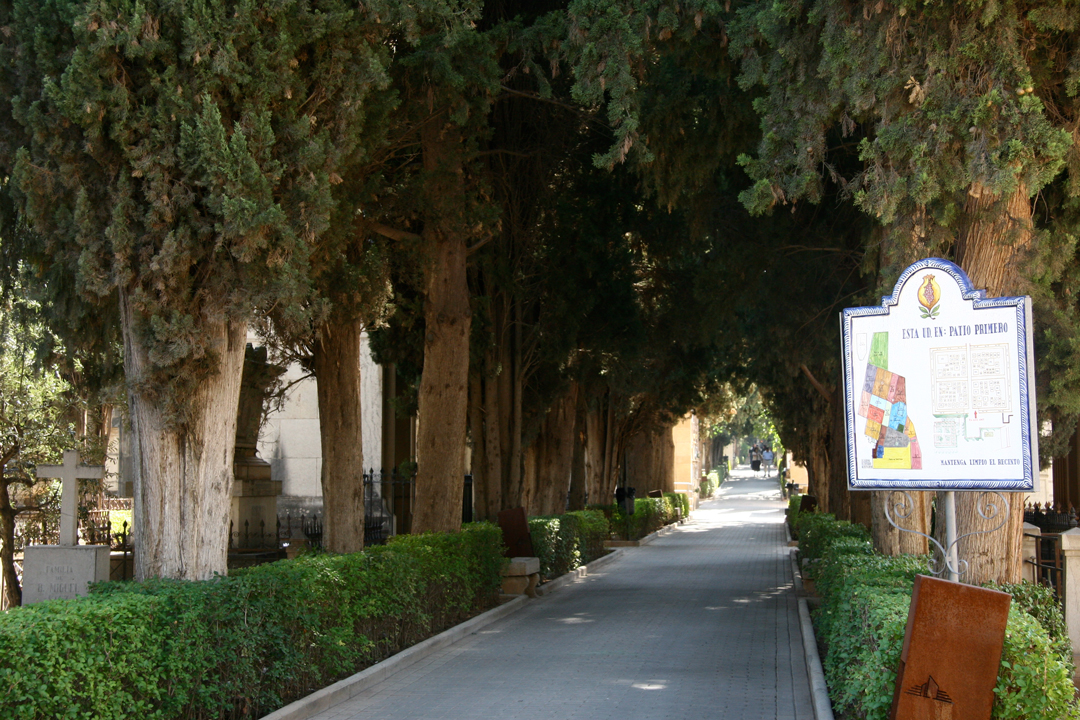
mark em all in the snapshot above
pixel 701 622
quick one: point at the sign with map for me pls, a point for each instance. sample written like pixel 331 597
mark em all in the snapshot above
pixel 939 387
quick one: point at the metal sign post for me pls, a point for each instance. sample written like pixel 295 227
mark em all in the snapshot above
pixel 939 394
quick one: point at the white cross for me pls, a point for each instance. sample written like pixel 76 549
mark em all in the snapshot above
pixel 70 473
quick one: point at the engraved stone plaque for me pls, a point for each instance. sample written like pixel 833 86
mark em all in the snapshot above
pixel 62 572
pixel 952 650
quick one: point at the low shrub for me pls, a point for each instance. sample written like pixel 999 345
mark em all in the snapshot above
pixel 711 482
pixel 650 514
pixel 680 501
pixel 1039 602
pixel 817 530
pixel 793 504
pixel 592 530
pixel 861 623
pixel 243 645
pixel 568 541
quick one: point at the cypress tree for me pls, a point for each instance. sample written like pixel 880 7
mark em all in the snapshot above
pixel 179 159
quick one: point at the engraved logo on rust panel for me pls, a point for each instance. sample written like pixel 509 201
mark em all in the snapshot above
pixel 930 689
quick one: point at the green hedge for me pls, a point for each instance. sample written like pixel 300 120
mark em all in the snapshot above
pixel 793 504
pixel 244 645
pixel 568 541
pixel 861 623
pixel 816 531
pixel 650 514
pixel 712 481
pixel 680 501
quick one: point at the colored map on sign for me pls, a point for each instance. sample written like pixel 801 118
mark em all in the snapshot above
pixel 884 405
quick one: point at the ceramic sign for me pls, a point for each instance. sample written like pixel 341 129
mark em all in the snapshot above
pixel 939 387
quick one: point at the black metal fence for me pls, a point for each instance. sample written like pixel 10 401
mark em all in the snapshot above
pixel 1051 518
pixel 1048 562
pixel 389 499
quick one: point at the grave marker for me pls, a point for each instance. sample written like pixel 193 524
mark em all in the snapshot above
pixel 69 474
pixel 63 571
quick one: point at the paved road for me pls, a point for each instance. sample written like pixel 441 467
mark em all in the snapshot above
pixel 702 622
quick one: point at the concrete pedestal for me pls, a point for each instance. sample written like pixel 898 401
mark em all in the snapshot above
pixel 521 576
pixel 1070 548
pixel 62 572
pixel 1029 571
pixel 254 500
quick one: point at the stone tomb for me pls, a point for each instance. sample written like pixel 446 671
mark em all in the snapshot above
pixel 952 650
pixel 61 572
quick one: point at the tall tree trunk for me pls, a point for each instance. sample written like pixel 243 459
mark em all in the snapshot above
pixel 444 381
pixel 336 363
pixel 579 483
pixel 595 442
pixel 478 460
pixel 493 468
pixel 511 488
pixel 991 251
pixel 839 495
pixel 650 461
pixel 183 472
pixel 12 589
pixel 817 464
pixel 554 455
pixel 515 477
pixel 890 541
pixel 610 477
pixel 529 463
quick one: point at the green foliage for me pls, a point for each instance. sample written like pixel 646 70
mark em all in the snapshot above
pixel 186 156
pixel 681 501
pixel 818 530
pixel 861 622
pixel 1040 602
pixel 650 514
pixel 241 645
pixel 1034 683
pixel 568 541
pixel 794 503
pixel 711 482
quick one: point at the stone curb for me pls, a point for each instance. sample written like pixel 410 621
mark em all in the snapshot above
pixel 645 540
pixel 580 573
pixel 819 690
pixel 353 685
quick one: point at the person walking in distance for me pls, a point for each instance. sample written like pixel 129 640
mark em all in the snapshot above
pixel 755 457
pixel 767 458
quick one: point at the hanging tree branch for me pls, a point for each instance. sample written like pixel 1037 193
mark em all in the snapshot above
pixel 817 385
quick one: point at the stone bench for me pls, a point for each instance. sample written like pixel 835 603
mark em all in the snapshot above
pixel 520 576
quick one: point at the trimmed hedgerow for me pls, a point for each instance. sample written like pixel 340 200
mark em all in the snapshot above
pixel 568 541
pixel 1039 602
pixel 861 622
pixel 793 505
pixel 243 645
pixel 680 501
pixel 818 530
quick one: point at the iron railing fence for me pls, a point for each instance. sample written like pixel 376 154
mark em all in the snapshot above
pixel 1051 518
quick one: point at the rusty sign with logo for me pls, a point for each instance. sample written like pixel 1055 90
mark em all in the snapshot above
pixel 952 650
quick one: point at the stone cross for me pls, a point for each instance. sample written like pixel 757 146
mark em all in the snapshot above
pixel 70 473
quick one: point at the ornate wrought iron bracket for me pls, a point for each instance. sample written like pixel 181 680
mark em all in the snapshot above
pixel 987 507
